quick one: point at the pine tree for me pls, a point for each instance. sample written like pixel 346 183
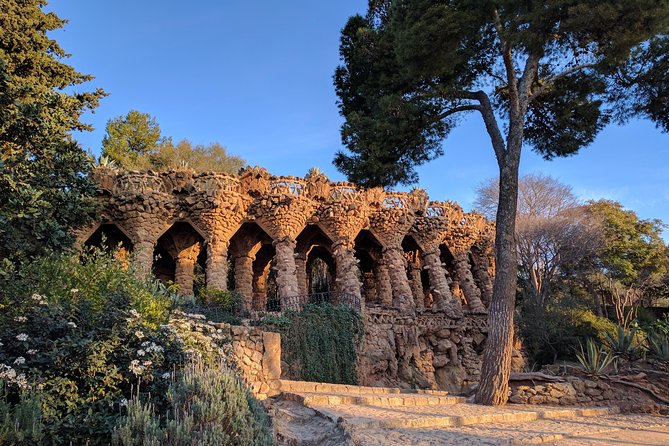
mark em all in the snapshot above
pixel 550 74
pixel 44 189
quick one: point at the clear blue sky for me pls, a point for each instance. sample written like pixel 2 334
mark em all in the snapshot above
pixel 257 78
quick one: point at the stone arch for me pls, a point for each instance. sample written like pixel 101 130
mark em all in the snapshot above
pixel 373 271
pixel 111 238
pixel 179 256
pixel 265 290
pixel 315 262
pixel 251 253
pixel 414 269
pixel 448 260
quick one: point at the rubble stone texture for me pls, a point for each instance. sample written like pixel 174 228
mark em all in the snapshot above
pixel 422 270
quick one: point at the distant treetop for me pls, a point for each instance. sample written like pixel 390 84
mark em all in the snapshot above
pixel 134 142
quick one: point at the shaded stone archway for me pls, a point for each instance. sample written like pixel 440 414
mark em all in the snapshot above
pixel 448 260
pixel 315 263
pixel 373 270
pixel 176 256
pixel 251 253
pixel 111 239
pixel 413 255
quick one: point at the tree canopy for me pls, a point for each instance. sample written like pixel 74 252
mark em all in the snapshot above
pixel 550 74
pixel 131 139
pixel 44 189
pixel 134 141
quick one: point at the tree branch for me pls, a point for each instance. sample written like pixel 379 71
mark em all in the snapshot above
pixel 459 109
pixel 507 56
pixel 547 83
pixel 492 127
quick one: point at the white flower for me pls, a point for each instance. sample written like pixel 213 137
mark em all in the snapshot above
pixel 1 344
pixel 32 351
pixel 139 334
pixel 166 375
pixel 123 402
pixel 72 324
pixel 20 318
pixel 22 337
pixel 135 368
pixel 40 386
pixel 147 363
pixel 134 313
pixel 141 352
pixel 74 291
pixel 20 360
pixel 145 343
pixel 21 381
pixel 36 297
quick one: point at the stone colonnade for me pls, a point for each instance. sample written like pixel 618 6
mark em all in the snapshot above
pixel 263 234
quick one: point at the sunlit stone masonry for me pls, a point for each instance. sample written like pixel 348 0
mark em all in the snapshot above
pixel 420 270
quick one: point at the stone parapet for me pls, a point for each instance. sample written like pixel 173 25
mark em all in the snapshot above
pixel 258 357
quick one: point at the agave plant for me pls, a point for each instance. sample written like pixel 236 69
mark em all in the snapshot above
pixel 106 162
pixel 594 359
pixel 658 344
pixel 623 343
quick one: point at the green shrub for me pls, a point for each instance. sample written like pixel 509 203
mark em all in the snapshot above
pixel 21 421
pixel 323 338
pixel 207 405
pixel 594 359
pixel 84 334
pixel 555 332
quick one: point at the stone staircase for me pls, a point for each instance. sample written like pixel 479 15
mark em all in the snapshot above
pixel 331 414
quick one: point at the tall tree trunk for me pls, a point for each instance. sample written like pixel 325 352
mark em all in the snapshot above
pixel 494 381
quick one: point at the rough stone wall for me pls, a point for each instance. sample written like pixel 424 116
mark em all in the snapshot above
pixel 426 350
pixel 258 356
pixel 574 391
pixel 423 326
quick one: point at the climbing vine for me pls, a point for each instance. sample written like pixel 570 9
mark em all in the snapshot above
pixel 323 339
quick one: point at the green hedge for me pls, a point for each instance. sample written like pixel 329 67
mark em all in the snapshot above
pixel 323 338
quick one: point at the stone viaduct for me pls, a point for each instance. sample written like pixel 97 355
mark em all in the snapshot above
pixel 409 261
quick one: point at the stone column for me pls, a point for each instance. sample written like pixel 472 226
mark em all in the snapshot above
pixel 443 299
pixel 217 265
pixel 244 279
pixel 286 275
pixel 347 281
pixel 416 285
pixel 466 280
pixel 383 289
pixel 185 269
pixel 302 275
pixel 402 295
pixel 260 287
pixel 143 256
pixel 481 273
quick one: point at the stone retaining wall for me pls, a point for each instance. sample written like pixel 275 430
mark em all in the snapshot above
pixel 573 391
pixel 258 356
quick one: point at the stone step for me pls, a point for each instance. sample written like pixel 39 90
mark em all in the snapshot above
pixel 381 400
pixel 601 430
pixel 314 387
pixel 372 417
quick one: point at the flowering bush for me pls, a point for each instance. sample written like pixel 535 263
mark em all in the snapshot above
pixel 208 404
pixel 81 336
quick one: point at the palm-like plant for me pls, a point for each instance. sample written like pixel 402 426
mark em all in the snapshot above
pixel 623 343
pixel 658 344
pixel 594 359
